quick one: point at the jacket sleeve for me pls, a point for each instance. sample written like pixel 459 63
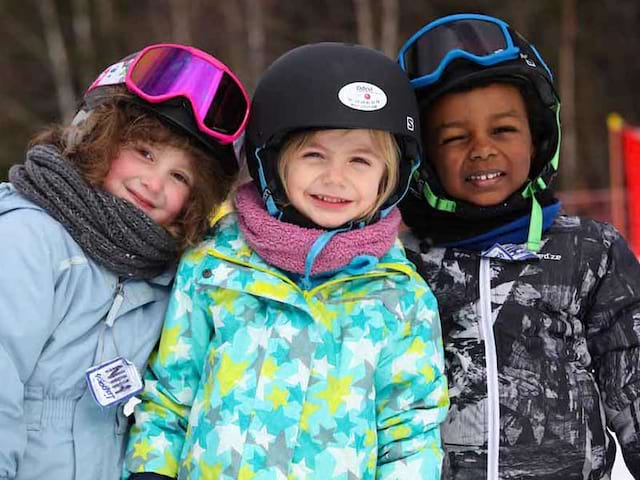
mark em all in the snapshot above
pixel 27 279
pixel 171 381
pixel 613 334
pixel 412 396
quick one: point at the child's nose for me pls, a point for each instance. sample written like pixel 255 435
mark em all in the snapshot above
pixel 482 149
pixel 334 173
pixel 153 181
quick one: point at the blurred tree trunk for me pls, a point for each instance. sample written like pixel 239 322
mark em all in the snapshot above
pixel 180 21
pixel 233 20
pixel 519 13
pixel 364 22
pixel 58 58
pixel 107 22
pixel 81 22
pixel 256 39
pixel 389 30
pixel 389 25
pixel 22 37
pixel 567 94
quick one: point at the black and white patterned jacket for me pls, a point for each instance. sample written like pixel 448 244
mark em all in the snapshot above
pixel 542 355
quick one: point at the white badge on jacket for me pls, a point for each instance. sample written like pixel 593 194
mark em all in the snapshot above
pixel 114 381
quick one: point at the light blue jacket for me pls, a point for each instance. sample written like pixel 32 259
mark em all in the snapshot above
pixel 53 300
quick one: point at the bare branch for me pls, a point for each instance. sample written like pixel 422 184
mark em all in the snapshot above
pixel 81 19
pixel 26 39
pixel 107 21
pixel 364 22
pixel 233 20
pixel 59 59
pixel 389 33
pixel 255 37
pixel 180 21
pixel 568 91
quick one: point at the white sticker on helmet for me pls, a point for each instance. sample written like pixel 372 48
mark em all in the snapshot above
pixel 362 96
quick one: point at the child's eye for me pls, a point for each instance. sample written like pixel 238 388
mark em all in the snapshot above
pixel 182 178
pixel 145 152
pixel 361 161
pixel 505 129
pixel 451 138
pixel 312 154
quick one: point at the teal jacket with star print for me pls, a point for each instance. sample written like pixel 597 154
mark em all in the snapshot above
pixel 256 378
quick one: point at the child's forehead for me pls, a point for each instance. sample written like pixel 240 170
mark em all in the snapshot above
pixel 350 133
pixel 496 98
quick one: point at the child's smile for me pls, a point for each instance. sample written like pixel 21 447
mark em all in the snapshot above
pixel 480 143
pixel 327 201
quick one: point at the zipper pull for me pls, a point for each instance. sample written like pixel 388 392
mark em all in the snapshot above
pixel 115 306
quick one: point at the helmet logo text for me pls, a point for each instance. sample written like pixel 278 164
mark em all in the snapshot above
pixel 527 60
pixel 363 96
pixel 410 124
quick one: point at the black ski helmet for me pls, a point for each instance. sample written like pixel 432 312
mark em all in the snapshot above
pixel 526 70
pixel 328 86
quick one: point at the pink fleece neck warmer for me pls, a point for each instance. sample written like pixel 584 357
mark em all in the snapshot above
pixel 286 246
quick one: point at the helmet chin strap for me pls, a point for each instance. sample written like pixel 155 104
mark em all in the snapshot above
pixel 534 239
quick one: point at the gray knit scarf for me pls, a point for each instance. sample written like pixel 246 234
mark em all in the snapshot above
pixel 110 230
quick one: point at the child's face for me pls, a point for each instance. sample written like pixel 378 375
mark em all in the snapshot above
pixel 335 177
pixel 155 178
pixel 480 143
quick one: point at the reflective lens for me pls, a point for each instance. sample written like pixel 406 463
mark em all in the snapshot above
pixel 228 108
pixel 475 37
pixel 164 72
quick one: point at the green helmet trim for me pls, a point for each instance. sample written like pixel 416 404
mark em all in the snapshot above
pixel 437 202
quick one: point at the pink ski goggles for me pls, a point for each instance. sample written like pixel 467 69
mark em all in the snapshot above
pixel 163 72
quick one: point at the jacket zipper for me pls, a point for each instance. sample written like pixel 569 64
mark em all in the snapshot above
pixel 493 401
pixel 117 303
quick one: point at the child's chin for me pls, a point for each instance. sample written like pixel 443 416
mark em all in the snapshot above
pixel 487 201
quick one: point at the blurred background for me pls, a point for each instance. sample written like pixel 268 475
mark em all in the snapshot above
pixel 53 49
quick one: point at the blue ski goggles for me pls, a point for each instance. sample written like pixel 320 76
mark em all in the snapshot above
pixel 481 39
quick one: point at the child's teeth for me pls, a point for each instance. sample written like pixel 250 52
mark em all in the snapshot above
pixel 330 200
pixel 485 176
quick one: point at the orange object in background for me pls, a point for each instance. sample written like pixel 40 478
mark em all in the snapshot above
pixel 631 155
